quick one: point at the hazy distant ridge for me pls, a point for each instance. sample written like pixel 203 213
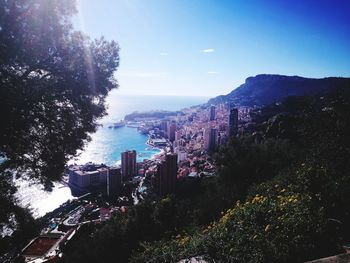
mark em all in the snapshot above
pixel 150 114
pixel 266 89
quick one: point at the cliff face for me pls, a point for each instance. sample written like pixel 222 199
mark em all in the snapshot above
pixel 266 89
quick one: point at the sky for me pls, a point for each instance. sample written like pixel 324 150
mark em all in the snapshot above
pixel 209 47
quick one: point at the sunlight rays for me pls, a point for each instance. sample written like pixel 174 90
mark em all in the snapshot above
pixel 87 53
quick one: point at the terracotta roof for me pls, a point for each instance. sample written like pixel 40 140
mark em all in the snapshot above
pixel 40 246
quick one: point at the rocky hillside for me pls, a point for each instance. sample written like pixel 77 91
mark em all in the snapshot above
pixel 266 89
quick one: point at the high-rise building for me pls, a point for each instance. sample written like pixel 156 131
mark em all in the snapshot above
pixel 114 181
pixel 167 174
pixel 233 122
pixel 128 163
pixel 164 127
pixel 87 176
pixel 206 138
pixel 103 174
pixel 171 131
pixel 213 139
pixel 212 112
pixel 84 179
pixel 210 139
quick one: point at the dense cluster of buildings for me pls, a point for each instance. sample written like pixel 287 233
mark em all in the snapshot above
pixel 199 128
pixel 91 176
pixel 187 141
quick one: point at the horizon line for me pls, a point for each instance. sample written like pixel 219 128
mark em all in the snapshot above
pixel 165 95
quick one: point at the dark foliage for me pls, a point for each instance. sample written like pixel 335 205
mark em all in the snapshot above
pixel 115 241
pixel 53 84
pixel 292 183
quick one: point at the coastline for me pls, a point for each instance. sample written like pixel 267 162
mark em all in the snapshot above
pixel 30 195
pixel 158 155
pixel 153 157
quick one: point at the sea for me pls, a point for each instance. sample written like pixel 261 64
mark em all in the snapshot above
pixel 106 145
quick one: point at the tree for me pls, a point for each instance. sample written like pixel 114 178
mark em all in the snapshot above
pixel 53 85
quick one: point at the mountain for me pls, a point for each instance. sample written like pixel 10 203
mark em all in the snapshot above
pixel 266 89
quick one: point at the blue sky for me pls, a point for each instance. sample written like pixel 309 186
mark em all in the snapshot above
pixel 208 47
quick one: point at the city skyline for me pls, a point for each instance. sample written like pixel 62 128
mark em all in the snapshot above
pixel 124 139
pixel 208 48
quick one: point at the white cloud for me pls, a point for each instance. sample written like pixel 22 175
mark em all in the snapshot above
pixel 208 50
pixel 163 54
pixel 213 72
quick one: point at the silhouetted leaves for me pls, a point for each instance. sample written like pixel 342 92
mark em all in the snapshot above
pixel 53 85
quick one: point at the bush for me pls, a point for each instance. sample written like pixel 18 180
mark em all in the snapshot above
pixel 280 226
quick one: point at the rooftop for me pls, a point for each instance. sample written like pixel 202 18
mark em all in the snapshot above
pixel 41 246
